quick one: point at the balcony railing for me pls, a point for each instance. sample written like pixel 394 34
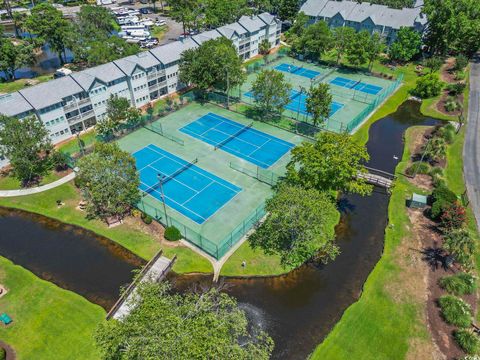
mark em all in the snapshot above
pixel 83 116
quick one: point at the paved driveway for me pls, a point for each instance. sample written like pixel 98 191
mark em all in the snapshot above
pixel 471 149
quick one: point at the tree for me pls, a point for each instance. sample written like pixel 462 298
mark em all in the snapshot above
pixel 48 23
pixel 428 86
pixel 342 38
pixel 95 21
pixel 374 47
pixel 406 46
pixel 319 101
pixel 109 181
pixel 163 324
pixel 299 225
pixel 461 245
pixel 314 42
pixel 299 25
pixel 461 62
pixel 119 112
pixel 332 163
pixel 14 57
pixel 288 9
pixel 26 144
pixel 434 63
pixel 356 52
pixel 264 47
pixel 271 92
pixel 218 13
pixel 109 49
pixel 214 64
pixel 453 26
pixel 435 149
pixel 186 12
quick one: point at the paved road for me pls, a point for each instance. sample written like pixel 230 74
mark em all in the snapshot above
pixel 471 149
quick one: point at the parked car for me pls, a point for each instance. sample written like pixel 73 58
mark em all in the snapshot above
pixel 146 11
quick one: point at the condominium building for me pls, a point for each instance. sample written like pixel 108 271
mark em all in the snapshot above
pixel 76 102
pixel 365 16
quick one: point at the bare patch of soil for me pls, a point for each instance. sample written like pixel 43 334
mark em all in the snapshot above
pixel 422 181
pixel 446 73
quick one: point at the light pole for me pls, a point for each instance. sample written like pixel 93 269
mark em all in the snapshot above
pixel 299 102
pixel 160 179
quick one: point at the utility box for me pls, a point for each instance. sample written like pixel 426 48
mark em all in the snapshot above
pixel 418 201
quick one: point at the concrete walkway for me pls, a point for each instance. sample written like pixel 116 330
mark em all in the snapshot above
pixel 471 148
pixel 39 189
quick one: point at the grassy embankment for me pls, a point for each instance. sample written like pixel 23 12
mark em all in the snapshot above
pixel 388 324
pixel 8 87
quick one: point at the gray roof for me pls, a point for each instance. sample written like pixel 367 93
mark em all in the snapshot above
pixel 13 104
pixel 267 18
pixel 231 29
pixel 105 73
pixel 51 92
pixel 143 59
pixel 172 52
pixel 359 12
pixel 205 36
pixel 251 23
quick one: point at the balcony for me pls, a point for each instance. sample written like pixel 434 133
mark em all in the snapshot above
pixel 157 86
pixel 75 104
pixel 82 116
pixel 156 74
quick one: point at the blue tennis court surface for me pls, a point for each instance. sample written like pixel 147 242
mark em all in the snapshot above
pixel 298 103
pixel 190 190
pixel 249 144
pixel 300 71
pixel 356 85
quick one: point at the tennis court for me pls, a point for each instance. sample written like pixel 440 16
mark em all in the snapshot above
pixel 297 70
pixel 298 103
pixel 187 188
pixel 356 85
pixel 241 140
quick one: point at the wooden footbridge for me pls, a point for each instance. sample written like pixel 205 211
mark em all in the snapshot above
pixel 155 270
pixel 378 177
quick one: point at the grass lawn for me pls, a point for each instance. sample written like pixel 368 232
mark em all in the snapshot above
pixel 8 87
pixel 48 322
pixel 134 239
pixel 72 147
pixel 10 183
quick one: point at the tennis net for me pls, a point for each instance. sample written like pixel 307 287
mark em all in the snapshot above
pixel 223 142
pixel 294 94
pixel 319 78
pixel 165 179
pixel 158 129
pixel 178 172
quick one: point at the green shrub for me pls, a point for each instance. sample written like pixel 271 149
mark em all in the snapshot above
pixel 456 88
pixel 147 219
pixel 447 133
pixel 455 311
pixel 428 86
pixel 471 357
pixel 172 233
pixel 418 167
pixel 451 104
pixel 459 284
pixel 467 340
pixel 436 171
pixel 461 62
pixel 442 198
pixel 3 354
pixel 460 75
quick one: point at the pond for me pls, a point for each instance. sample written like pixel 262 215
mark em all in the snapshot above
pixel 297 310
pixel 72 258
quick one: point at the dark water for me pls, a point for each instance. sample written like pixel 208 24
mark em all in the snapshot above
pixel 299 309
pixel 46 63
pixel 70 257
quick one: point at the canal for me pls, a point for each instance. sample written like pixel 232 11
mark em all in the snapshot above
pixel 297 310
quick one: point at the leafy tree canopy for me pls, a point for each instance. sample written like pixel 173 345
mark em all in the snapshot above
pixel 48 23
pixel 288 9
pixel 299 226
pixel 332 163
pixel 406 46
pixel 342 38
pixel 319 101
pixel 271 92
pixel 428 86
pixel 168 325
pixel 95 21
pixel 27 146
pixel 314 42
pixel 119 112
pixel 109 181
pixel 15 56
pixel 214 64
pixel 453 26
